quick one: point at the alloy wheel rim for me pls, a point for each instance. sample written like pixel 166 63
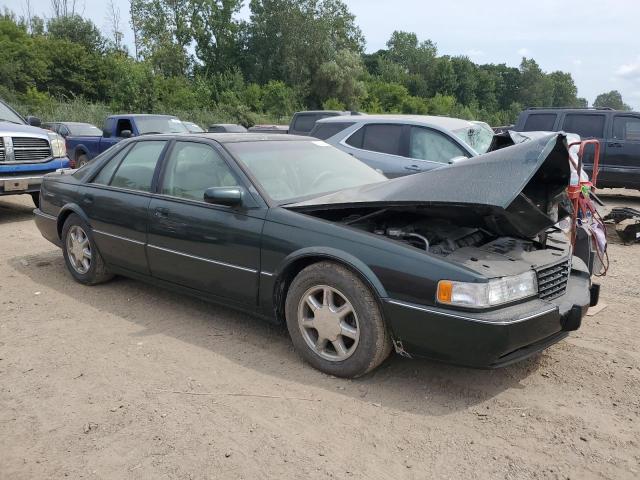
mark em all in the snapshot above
pixel 328 323
pixel 79 249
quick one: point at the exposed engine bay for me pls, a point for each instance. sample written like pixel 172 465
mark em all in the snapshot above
pixel 437 236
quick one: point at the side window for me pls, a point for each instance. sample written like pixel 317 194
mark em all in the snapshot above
pixel 355 140
pixel 123 124
pixel 585 125
pixel 426 144
pixel 135 172
pixel 322 131
pixel 540 122
pixel 64 131
pixel 194 167
pixel 383 138
pixel 626 128
pixel 105 175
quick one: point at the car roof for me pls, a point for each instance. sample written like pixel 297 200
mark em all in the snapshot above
pixel 235 137
pixel 141 115
pixel 448 123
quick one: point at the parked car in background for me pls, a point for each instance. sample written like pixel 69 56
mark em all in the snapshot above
pixel 399 145
pixel 193 127
pixel 226 128
pixel 617 131
pixel 303 122
pixel 27 153
pixel 76 129
pixel 277 129
pixel 354 264
pixel 116 128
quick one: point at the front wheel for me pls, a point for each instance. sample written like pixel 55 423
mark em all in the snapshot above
pixel 80 253
pixel 82 160
pixel 335 322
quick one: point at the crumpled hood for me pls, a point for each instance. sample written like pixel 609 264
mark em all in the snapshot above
pixel 518 191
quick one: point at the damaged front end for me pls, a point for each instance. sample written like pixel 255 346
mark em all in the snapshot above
pixel 519 192
pixel 496 216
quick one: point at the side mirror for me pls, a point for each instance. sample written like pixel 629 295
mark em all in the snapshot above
pixel 106 133
pixel 34 121
pixel 227 196
pixel 126 133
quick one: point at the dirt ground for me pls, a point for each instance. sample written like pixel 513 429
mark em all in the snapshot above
pixel 125 380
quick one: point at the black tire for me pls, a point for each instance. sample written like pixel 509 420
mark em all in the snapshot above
pixel 97 271
pixel 81 160
pixel 35 196
pixel 374 343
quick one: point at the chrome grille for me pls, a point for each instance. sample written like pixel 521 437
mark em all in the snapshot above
pixel 2 154
pixel 552 281
pixel 29 149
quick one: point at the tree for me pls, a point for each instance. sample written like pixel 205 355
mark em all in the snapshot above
pixel 340 79
pixel 113 21
pixel 612 99
pixel 536 89
pixel 288 40
pixel 76 30
pixel 564 90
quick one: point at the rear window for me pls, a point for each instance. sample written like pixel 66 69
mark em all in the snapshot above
pixel 585 125
pixel 322 131
pixel 305 123
pixel 540 122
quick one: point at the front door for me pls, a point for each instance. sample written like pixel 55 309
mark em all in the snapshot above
pixel 117 202
pixel 623 151
pixel 211 248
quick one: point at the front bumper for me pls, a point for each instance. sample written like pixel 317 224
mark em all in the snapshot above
pixel 489 339
pixel 19 178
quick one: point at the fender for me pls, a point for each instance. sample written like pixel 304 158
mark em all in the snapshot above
pixel 81 150
pixel 332 254
pixel 67 210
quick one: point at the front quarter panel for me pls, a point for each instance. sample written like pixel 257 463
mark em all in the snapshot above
pixel 393 270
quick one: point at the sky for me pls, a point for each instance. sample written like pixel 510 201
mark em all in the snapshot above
pixel 596 41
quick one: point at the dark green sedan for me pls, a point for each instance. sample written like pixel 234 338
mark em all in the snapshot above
pixel 462 264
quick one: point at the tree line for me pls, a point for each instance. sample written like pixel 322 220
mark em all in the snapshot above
pixel 200 55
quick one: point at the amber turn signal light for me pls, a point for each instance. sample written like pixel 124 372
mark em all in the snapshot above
pixel 445 290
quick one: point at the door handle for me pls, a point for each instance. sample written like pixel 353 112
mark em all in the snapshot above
pixel 614 145
pixel 413 168
pixel 161 212
pixel 88 199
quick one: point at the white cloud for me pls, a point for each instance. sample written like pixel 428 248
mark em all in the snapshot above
pixel 577 62
pixel 524 52
pixel 629 71
pixel 475 53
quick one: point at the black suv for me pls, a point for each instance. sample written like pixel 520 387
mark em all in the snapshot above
pixel 618 132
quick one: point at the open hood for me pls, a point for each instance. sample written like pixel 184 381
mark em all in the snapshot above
pixel 516 191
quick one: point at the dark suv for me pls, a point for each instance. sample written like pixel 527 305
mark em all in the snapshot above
pixel 618 132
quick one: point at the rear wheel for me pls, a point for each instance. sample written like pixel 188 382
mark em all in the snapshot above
pixel 80 253
pixel 335 322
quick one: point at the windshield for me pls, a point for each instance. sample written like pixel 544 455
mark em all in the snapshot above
pixel 478 136
pixel 160 125
pixel 289 170
pixel 8 115
pixel 84 130
pixel 193 128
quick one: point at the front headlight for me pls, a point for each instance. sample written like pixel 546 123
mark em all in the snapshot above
pixel 494 292
pixel 58 146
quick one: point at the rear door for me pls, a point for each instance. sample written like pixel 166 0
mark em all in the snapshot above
pixel 211 248
pixel 623 151
pixel 382 146
pixel 117 201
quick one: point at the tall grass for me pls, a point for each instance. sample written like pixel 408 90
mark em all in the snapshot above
pixel 80 110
